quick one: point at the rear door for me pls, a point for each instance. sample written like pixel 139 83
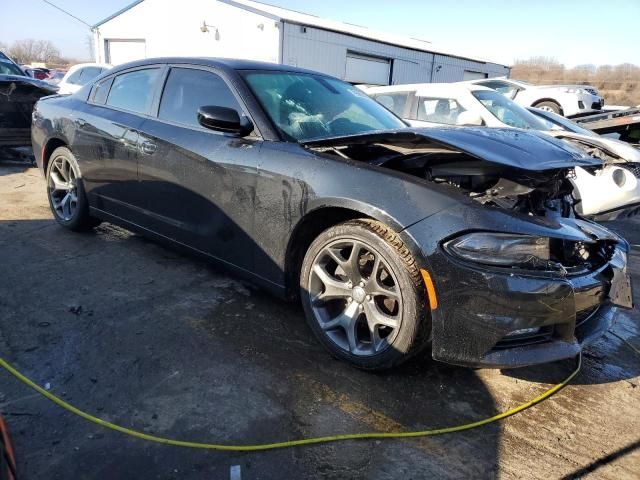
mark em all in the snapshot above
pixel 198 185
pixel 106 140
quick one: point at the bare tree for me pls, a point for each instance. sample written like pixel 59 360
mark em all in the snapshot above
pixel 30 50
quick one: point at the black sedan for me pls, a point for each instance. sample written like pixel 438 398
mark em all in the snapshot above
pixel 18 95
pixel 392 238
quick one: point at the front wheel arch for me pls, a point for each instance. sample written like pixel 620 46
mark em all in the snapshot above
pixel 549 100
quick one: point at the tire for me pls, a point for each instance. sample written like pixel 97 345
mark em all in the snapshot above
pixel 549 106
pixel 65 191
pixel 387 313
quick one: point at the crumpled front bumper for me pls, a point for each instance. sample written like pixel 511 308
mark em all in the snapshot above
pixel 491 318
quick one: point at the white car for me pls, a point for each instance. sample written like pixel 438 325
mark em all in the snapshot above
pixel 79 75
pixel 604 194
pixel 566 100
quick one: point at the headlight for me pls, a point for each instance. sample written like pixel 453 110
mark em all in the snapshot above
pixel 502 249
pixel 575 90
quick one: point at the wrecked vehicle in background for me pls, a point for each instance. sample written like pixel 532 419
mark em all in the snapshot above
pixel 618 183
pixel 608 192
pixel 391 237
pixel 18 95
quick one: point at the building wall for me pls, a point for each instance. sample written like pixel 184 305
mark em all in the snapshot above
pixel 172 28
pixel 452 69
pixel 326 51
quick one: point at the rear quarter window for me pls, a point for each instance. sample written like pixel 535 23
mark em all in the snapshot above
pixel 101 91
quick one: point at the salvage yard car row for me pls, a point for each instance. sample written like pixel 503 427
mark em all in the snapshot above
pixel 609 192
pixel 470 240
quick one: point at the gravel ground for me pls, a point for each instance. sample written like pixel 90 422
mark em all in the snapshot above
pixel 161 342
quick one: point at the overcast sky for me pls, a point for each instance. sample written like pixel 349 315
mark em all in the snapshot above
pixel 572 31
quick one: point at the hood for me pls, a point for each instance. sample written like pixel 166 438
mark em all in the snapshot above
pixel 611 147
pixel 18 95
pixel 24 80
pixel 584 87
pixel 527 150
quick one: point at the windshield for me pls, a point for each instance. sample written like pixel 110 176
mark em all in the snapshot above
pixel 310 107
pixel 507 111
pixel 554 120
pixel 8 68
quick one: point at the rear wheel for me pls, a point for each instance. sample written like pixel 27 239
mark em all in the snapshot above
pixel 363 295
pixel 549 106
pixel 65 191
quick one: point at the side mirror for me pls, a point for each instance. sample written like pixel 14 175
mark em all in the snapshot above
pixel 469 119
pixel 223 119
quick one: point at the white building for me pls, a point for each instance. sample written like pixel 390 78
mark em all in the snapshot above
pixel 256 31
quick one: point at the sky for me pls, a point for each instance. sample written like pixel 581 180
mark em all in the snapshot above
pixel 574 32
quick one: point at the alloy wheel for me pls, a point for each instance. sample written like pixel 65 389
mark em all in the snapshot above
pixel 355 297
pixel 63 188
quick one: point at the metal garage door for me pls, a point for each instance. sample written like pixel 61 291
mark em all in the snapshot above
pixel 122 50
pixel 368 70
pixel 471 75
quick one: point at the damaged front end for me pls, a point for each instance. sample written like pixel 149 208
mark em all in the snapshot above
pixel 520 278
pixel 524 172
pixel 18 95
pixel 610 191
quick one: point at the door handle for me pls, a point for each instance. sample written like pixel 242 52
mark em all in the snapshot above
pixel 148 148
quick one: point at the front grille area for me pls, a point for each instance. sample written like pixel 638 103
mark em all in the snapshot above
pixel 543 334
pixel 596 106
pixel 633 168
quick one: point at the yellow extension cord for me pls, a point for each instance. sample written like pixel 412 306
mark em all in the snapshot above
pixel 290 443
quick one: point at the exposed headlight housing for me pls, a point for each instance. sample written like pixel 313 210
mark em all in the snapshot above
pixel 502 250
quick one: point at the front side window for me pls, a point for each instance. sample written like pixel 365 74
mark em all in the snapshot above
pixel 507 111
pixel 187 89
pixel 307 106
pixel 439 110
pixel 395 102
pixel 133 91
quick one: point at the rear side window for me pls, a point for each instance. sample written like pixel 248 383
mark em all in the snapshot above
pixel 133 91
pixel 439 110
pixel 101 90
pixel 187 89
pixel 89 73
pixel 74 78
pixel 393 101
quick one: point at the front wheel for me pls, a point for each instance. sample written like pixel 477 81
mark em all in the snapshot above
pixel 363 295
pixel 65 190
pixel 549 106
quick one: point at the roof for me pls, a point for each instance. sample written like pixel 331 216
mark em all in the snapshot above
pixel 222 63
pixel 291 16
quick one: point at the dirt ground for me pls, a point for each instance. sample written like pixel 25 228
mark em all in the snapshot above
pixel 161 342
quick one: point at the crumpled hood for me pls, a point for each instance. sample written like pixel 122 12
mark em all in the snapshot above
pixel 584 87
pixel 18 95
pixel 527 150
pixel 626 151
pixel 6 80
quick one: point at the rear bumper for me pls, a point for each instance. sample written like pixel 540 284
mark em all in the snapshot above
pixel 496 319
